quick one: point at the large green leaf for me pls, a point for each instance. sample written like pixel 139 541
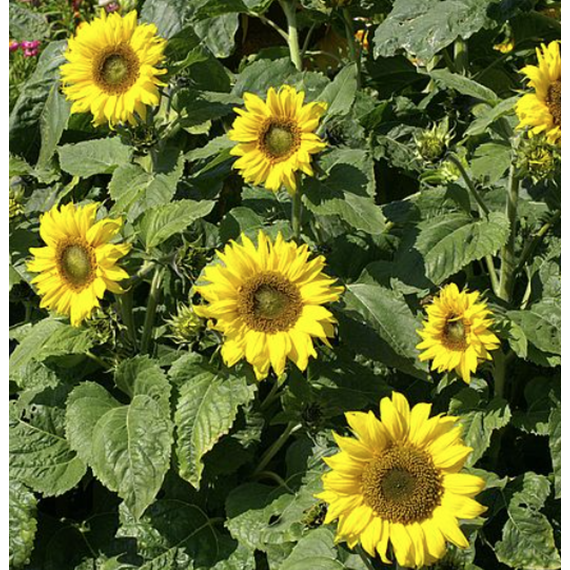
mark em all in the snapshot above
pixel 135 190
pixel 25 115
pixel 316 551
pixel 528 540
pixel 131 451
pixel 40 456
pixel 424 27
pixel 554 441
pixel 53 122
pixel 100 156
pixel 450 242
pixel 479 419
pixel 162 222
pixel 464 85
pixel 388 315
pixel 340 93
pixel 207 407
pixel 26 24
pixel 218 33
pixel 22 526
pixel 168 15
pixel 347 190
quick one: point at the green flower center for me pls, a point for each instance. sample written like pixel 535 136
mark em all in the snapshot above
pixel 455 333
pixel 116 70
pixel 268 302
pixel 280 139
pixel 76 263
pixel 553 99
pixel 402 485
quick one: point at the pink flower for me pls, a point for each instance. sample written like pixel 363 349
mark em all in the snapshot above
pixel 14 45
pixel 112 7
pixel 31 48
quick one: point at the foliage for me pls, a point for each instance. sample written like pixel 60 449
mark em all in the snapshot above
pixel 129 450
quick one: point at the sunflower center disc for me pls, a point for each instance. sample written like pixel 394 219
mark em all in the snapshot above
pixel 402 485
pixel 553 100
pixel 279 140
pixel 269 302
pixel 455 332
pixel 115 69
pixel 76 264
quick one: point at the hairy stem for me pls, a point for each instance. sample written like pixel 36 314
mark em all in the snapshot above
pixel 478 198
pixel 126 304
pixel 290 10
pixel 153 298
pixel 508 261
pixel 291 428
pixel 352 47
pixel 460 56
pixel 296 212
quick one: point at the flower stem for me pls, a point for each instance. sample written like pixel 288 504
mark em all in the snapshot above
pixel 460 56
pixel 153 298
pixel 291 428
pixel 364 557
pixel 492 274
pixel 296 212
pixel 499 375
pixel 453 158
pixel 508 261
pixel 126 304
pixel 352 47
pixel 536 239
pixel 290 9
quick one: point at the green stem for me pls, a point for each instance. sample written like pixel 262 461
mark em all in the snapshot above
pixel 460 56
pixel 126 304
pixel 290 9
pixel 98 360
pixel 499 375
pixel 364 557
pixel 492 274
pixel 291 428
pixel 271 397
pixel 352 47
pixel 271 24
pixel 453 158
pixel 296 211
pixel 508 261
pixel 279 480
pixel 153 298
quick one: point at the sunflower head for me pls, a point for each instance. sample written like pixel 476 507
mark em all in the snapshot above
pixel 397 482
pixel 78 263
pixel 111 68
pixel 457 335
pixel 267 301
pixel 541 111
pixel 276 137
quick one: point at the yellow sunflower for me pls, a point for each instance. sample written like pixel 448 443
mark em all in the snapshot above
pixel 267 302
pixel 541 111
pixel 399 483
pixel 78 263
pixel 456 335
pixel 111 69
pixel 276 137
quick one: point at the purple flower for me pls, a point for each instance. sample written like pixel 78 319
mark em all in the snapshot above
pixel 31 47
pixel 14 45
pixel 111 7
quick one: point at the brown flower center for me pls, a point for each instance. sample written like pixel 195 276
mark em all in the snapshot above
pixel 116 70
pixel 76 262
pixel 402 485
pixel 280 138
pixel 553 99
pixel 455 333
pixel 268 302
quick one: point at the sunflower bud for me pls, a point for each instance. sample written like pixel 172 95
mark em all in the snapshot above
pixel 105 326
pixel 433 142
pixel 185 326
pixel 537 159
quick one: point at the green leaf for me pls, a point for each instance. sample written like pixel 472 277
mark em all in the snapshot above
pixel 527 526
pixel 262 74
pixel 134 190
pixel 26 24
pixel 40 456
pixel 168 15
pixel 53 122
pixel 131 451
pixel 478 419
pixel 387 313
pixel 22 524
pixel 465 86
pixel 30 104
pixel 554 441
pixel 197 107
pixel 450 242
pixel 162 222
pixel 347 190
pixel 207 407
pixel 340 93
pixel 86 405
pixel 100 156
pixel 143 376
pixel 213 8
pixel 490 115
pixel 491 161
pixel 424 27
pixel 541 323
pixel 316 550
pixel 218 33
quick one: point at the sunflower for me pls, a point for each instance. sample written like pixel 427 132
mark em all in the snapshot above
pixel 78 263
pixel 111 69
pixel 541 111
pixel 456 335
pixel 267 302
pixel 399 483
pixel 276 137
